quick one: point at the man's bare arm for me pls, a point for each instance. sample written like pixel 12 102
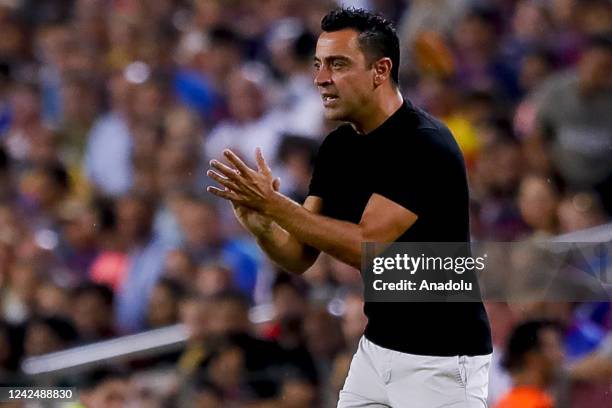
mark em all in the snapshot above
pixel 284 249
pixel 382 220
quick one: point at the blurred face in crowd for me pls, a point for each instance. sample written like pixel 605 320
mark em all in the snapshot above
pixel 163 307
pixel 475 36
pixel 499 167
pixel 178 266
pixel 25 104
pixel 213 279
pixel 534 70
pixel 230 316
pixel 112 393
pixel 91 314
pixel 176 166
pixel 538 202
pixel 220 59
pixel 530 21
pixel 343 76
pixel 182 127
pixel 80 229
pixel 24 281
pixel 194 315
pixel 244 98
pixel 594 69
pixel 199 223
pixel 134 219
pixel 40 339
pixel 52 300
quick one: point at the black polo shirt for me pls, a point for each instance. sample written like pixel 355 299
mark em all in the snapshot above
pixel 413 160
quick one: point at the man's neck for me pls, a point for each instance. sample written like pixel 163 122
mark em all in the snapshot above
pixel 388 103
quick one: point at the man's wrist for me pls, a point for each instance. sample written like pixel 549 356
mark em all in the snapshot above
pixel 275 206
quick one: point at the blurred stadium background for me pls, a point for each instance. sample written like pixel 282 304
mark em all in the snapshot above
pixel 112 253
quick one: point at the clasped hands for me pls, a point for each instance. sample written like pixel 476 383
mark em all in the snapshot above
pixel 256 190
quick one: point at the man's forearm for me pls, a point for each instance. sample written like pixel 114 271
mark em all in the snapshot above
pixel 286 251
pixel 340 239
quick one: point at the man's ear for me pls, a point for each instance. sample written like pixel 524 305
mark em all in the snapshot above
pixel 382 70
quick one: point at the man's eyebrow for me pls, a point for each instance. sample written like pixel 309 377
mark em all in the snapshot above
pixel 330 58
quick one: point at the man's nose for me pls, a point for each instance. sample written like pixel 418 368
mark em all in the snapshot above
pixel 322 77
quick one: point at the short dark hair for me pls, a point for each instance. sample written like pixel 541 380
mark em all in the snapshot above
pixel 97 289
pixel 61 327
pixel 377 36
pixel 524 339
pixel 94 378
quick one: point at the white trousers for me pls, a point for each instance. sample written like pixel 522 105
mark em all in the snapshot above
pixel 379 377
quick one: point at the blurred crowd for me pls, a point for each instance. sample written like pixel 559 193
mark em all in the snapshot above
pixel 111 110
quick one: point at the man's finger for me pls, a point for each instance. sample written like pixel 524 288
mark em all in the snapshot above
pixel 226 194
pixel 276 184
pixel 262 166
pixel 224 181
pixel 226 170
pixel 237 161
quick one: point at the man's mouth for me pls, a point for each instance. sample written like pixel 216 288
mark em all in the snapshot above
pixel 329 98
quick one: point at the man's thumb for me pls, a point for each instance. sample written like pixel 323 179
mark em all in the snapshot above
pixel 276 184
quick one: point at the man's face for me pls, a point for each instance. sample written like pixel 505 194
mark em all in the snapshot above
pixel 343 75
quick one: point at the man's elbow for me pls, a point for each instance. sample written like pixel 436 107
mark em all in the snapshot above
pixel 304 263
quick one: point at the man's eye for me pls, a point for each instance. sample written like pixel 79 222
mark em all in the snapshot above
pixel 316 66
pixel 337 64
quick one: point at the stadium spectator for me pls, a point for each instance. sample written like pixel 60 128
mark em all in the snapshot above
pixel 205 242
pixel 573 123
pixel 146 254
pixel 533 354
pixel 104 387
pixel 538 200
pixel 164 303
pixel 48 334
pixel 92 312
